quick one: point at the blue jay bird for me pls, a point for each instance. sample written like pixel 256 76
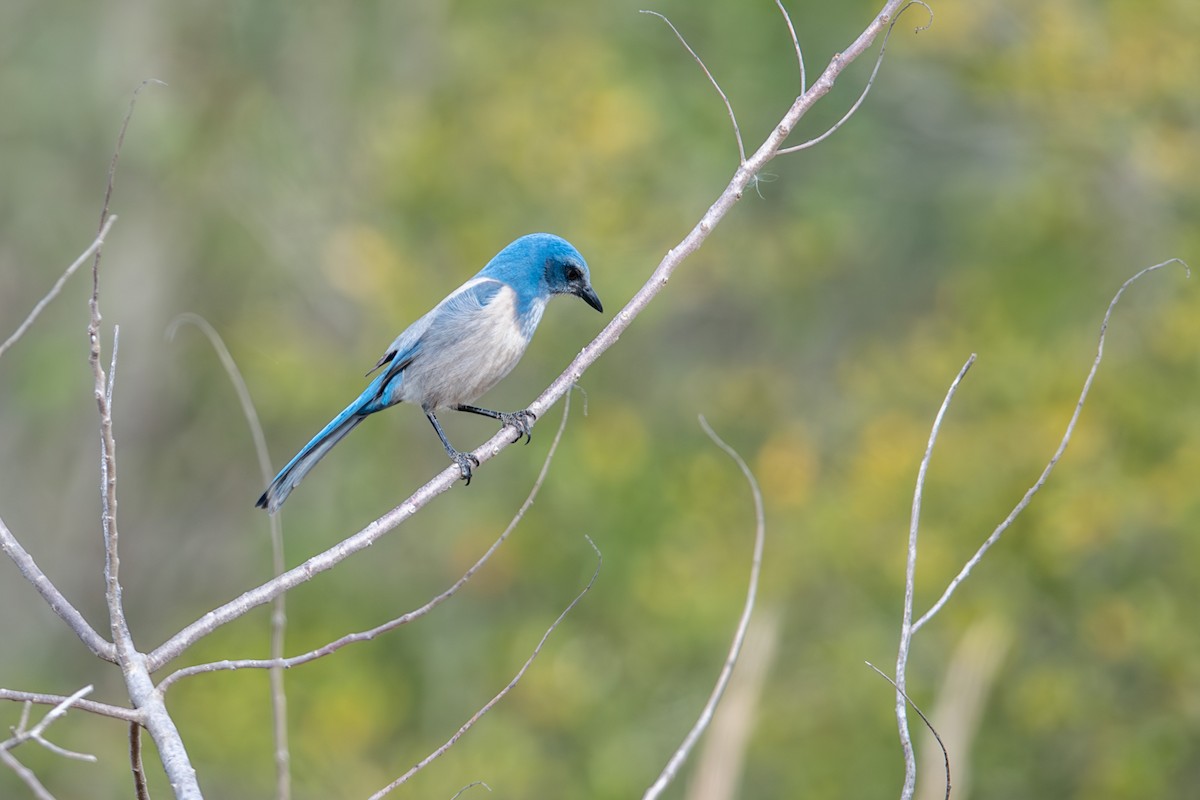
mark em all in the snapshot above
pixel 459 350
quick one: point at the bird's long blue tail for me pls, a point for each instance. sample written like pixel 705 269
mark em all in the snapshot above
pixel 290 476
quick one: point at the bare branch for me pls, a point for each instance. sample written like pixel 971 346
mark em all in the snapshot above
pixel 53 597
pixel 870 81
pixel 140 788
pixel 92 707
pixel 283 778
pixel 737 132
pixel 1062 446
pixel 906 627
pixel 449 476
pixel 680 756
pixel 468 787
pixel 499 696
pixel 404 619
pixel 58 285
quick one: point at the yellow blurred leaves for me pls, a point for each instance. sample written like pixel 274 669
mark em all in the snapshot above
pixel 786 466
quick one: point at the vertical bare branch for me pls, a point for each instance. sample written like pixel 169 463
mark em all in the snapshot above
pixel 680 756
pixel 906 627
pixel 141 790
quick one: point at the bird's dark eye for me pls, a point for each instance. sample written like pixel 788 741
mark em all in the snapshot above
pixel 574 274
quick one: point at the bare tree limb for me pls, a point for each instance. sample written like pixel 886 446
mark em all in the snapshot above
pixel 283 758
pixel 58 285
pixel 448 477
pixel 470 723
pixel 155 717
pixel 1062 446
pixel 91 706
pixel 403 619
pixel 680 756
pixel 906 627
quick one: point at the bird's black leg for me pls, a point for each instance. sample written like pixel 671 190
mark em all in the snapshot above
pixel 521 420
pixel 465 461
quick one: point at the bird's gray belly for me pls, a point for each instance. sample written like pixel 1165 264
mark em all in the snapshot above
pixel 461 370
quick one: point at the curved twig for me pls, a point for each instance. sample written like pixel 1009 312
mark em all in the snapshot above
pixel 429 759
pixel 1062 446
pixel 283 758
pixel 680 755
pixel 737 132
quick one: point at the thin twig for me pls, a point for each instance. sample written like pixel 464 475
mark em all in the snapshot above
pixel 463 790
pixel 737 132
pixel 58 285
pixel 403 619
pixel 910 571
pixel 870 82
pixel 448 477
pixel 283 776
pixel 134 669
pixel 91 706
pixel 140 787
pixel 1062 446
pixel 21 735
pixel 680 756
pixel 795 43
pixel 921 714
pixel 470 723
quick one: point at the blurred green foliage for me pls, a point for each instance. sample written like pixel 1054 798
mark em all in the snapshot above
pixel 317 175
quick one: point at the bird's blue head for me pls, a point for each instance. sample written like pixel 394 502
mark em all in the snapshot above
pixel 542 264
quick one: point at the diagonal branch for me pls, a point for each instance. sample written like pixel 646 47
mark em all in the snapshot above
pixel 658 279
pixel 1062 447
pixel 429 759
pixel 53 597
pixel 403 619
pixel 58 285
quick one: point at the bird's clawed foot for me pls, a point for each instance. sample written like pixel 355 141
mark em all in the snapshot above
pixel 522 421
pixel 466 462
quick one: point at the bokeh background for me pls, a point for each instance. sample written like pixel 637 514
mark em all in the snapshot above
pixel 317 175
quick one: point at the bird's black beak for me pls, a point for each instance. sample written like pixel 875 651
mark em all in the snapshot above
pixel 589 296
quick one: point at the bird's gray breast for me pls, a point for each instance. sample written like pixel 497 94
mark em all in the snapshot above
pixel 468 349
